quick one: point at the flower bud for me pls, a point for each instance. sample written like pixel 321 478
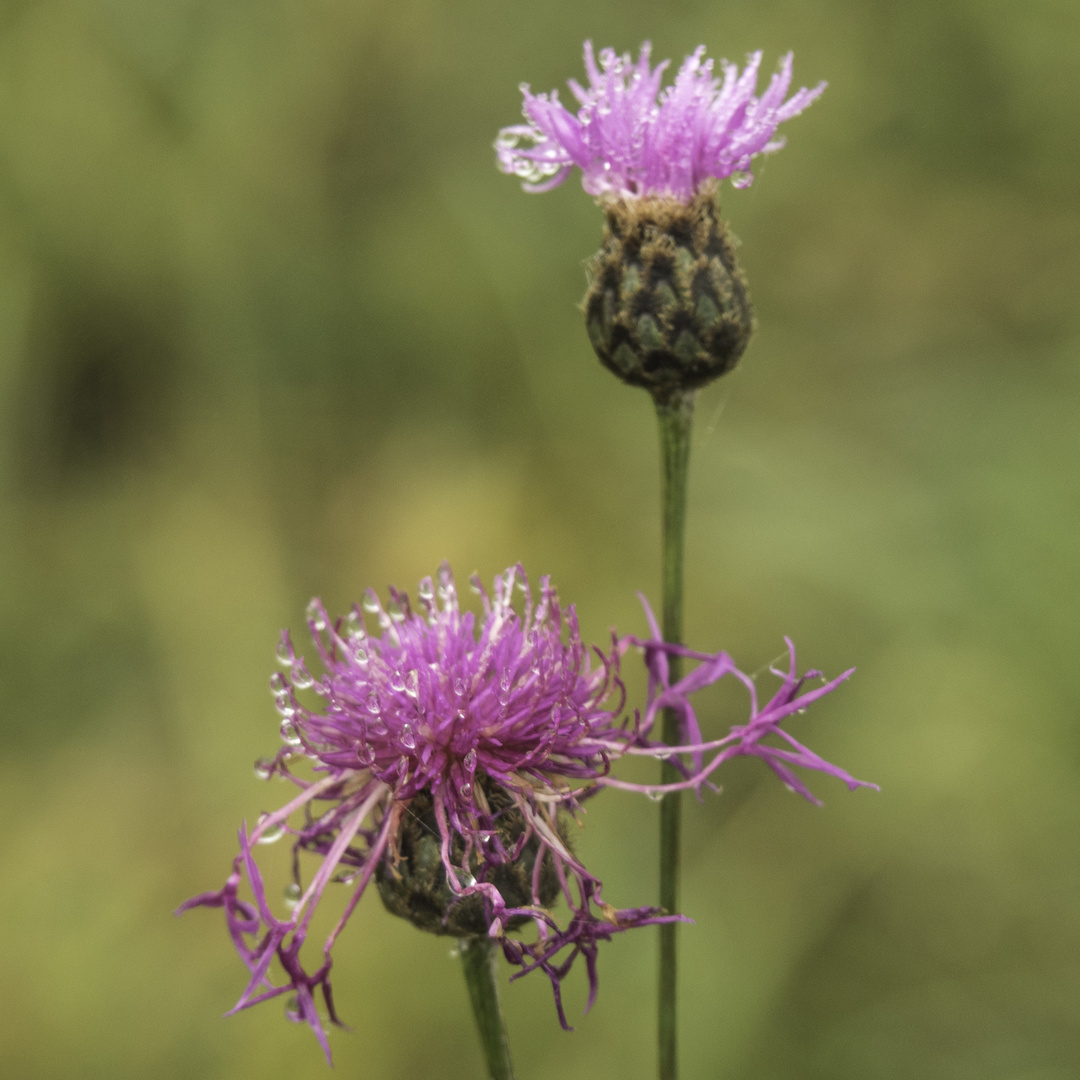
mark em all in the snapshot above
pixel 667 306
pixel 412 881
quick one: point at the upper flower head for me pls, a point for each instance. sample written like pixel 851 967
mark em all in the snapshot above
pixel 443 750
pixel 628 141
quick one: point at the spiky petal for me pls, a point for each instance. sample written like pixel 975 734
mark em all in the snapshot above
pixel 630 138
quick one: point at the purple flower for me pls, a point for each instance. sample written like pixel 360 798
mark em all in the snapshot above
pixel 480 721
pixel 628 141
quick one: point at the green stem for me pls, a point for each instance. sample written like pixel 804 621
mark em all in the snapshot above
pixel 479 960
pixel 675 415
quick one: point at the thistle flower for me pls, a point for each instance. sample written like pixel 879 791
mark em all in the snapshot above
pixel 631 143
pixel 667 306
pixel 447 758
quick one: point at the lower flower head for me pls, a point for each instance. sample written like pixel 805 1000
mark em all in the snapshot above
pixel 446 756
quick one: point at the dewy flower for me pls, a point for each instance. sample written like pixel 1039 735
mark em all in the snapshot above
pixel 446 760
pixel 667 307
pixel 629 138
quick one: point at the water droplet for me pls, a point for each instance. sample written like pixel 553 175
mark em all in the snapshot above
pixel 459 687
pixel 354 624
pixel 504 680
pixel 264 768
pixel 655 796
pixel 293 893
pixel 412 685
pixel 292 1008
pixel 273 834
pixel 316 617
pixel 446 583
pixel 426 590
pixel 800 712
pixel 301 677
pixel 360 655
pixel 371 601
pixel 470 881
pixel 289 734
pixel 284 704
pixel 373 703
pixel 397 683
pixel 466 790
pixel 278 683
pixel 407 738
pixel 284 652
pixel 469 761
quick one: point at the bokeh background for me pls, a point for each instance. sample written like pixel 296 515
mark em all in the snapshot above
pixel 272 325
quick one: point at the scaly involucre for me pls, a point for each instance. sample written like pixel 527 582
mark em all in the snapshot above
pixel 630 142
pixel 478 718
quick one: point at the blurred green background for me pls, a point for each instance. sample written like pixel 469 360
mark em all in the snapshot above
pixel 272 325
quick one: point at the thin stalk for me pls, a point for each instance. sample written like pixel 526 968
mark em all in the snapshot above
pixel 478 959
pixel 675 416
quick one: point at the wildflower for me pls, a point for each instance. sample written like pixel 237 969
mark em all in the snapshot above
pixel 667 306
pixel 446 759
pixel 631 143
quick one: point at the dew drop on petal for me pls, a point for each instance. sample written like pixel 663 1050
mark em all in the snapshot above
pixel 655 796
pixel 264 767
pixel 412 685
pixel 284 654
pixel 301 677
pixel 278 683
pixel 373 703
pixel 289 734
pixel 406 737
pixel 426 590
pixel 397 683
pixel 360 655
pixel 284 705
pixel 354 625
pixel 315 616
pixel 466 790
pixel 371 601
pixel 273 834
pixel 292 897
pixel 469 761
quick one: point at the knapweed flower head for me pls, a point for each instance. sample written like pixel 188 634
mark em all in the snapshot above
pixel 667 307
pixel 447 758
pixel 631 139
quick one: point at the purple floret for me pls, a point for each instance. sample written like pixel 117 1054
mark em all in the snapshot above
pixel 446 703
pixel 631 139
